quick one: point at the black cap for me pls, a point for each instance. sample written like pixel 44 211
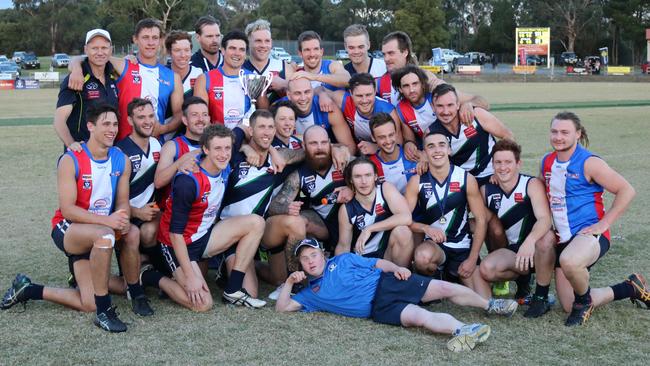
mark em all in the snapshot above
pixel 307 242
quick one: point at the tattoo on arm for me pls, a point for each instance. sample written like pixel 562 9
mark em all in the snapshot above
pixel 292 156
pixel 280 203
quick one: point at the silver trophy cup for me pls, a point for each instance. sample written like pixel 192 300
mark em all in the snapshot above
pixel 254 85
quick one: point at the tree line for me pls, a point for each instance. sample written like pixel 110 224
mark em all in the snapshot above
pixel 583 26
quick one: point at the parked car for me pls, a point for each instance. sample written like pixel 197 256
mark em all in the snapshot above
pixel 18 56
pixel 10 68
pixel 450 55
pixel 533 60
pixel 3 58
pixel 60 60
pixel 30 61
pixel 446 67
pixel 476 57
pixel 280 54
pixel 568 58
pixel 342 55
pixel 377 54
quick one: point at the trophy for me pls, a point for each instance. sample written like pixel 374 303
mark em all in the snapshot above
pixel 254 85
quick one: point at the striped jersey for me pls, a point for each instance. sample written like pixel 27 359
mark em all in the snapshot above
pixel 227 101
pixel 455 225
pixel 471 148
pixel 514 209
pixel 417 117
pixel 316 187
pixel 143 169
pixel 360 124
pixel 397 172
pixel 386 91
pixel 96 181
pixel 314 117
pixel 295 143
pixel 324 70
pixel 154 83
pixel 361 218
pixel 377 68
pixel 575 202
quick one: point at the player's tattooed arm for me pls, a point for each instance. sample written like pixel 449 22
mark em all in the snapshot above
pixel 292 156
pixel 280 203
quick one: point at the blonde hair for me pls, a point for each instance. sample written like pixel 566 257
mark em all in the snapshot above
pixel 259 24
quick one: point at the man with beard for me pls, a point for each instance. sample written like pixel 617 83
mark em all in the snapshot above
pixel 221 88
pixel 357 43
pixel 391 162
pixel 374 224
pixel 359 105
pixel 146 79
pixel 321 181
pixel 301 93
pixel 260 61
pixel 471 145
pixel 209 36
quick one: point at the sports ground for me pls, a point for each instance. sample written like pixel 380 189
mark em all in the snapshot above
pixel 616 116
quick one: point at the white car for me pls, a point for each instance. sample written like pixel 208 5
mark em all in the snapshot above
pixel 446 67
pixel 280 54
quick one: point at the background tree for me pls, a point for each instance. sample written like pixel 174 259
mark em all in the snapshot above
pixel 424 21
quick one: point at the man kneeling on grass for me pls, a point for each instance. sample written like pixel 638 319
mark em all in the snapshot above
pixel 355 286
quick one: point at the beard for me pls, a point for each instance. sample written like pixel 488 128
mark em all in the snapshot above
pixel 320 162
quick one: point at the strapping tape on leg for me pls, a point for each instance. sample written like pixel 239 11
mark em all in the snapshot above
pixel 109 237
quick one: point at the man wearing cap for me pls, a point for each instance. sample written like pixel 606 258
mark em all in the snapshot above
pixel 354 286
pixel 99 86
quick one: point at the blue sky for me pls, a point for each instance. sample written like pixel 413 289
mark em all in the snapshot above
pixel 6 4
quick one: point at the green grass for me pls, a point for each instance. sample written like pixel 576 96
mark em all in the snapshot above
pixel 46 333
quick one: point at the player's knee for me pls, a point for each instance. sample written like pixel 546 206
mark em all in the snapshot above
pixel 569 263
pixel 295 225
pixel 255 224
pixel 148 235
pixel 205 307
pixel 545 244
pixel 487 270
pixel 404 236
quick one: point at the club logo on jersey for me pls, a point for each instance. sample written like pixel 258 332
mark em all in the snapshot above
pixel 415 127
pixel 135 76
pixel 204 197
pixel 519 197
pixel 360 222
pixel 379 209
pixel 135 162
pixel 547 178
pixel 495 201
pixel 470 132
pixel 337 175
pixel 218 92
pixel 156 156
pixel 332 267
pixel 87 181
pixel 101 207
pixel 192 81
pixel 92 85
pixel 454 187
pixel 244 167
pixel 211 212
pixel 428 190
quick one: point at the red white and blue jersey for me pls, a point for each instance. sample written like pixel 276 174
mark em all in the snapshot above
pixel 143 169
pixel 376 68
pixel 183 146
pixel 194 205
pixel 314 117
pixel 324 70
pixel 417 117
pixel 397 172
pixel 227 101
pixel 154 83
pixel 360 124
pixel 455 225
pixel 386 91
pixel 360 218
pixel 471 147
pixel 575 202
pixel 96 181
pixel 514 209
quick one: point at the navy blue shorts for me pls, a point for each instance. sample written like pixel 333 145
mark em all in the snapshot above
pixel 393 295
pixel 602 241
pixel 453 259
pixel 333 230
pixel 58 233
pixel 195 251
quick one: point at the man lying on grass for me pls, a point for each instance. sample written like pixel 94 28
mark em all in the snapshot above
pixel 355 286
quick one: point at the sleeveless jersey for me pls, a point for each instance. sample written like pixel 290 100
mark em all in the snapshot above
pixel 417 118
pixel 360 218
pixel 314 117
pixel 295 143
pixel 96 181
pixel 155 83
pixel 183 146
pixel 456 226
pixel 189 80
pixel 143 169
pixel 575 202
pixel 250 188
pixel 203 214
pixel 471 148
pixel 386 91
pixel 514 210
pixel 377 68
pixel 227 101
pixel 398 172
pixel 316 187
pixel 324 70
pixel 360 124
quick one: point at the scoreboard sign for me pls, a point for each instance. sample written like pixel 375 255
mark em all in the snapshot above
pixel 532 41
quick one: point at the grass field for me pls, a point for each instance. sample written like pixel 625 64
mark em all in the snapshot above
pixel 49 334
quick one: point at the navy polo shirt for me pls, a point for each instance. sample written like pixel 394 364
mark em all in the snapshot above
pixel 93 92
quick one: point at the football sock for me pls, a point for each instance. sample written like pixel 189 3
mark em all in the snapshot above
pixel 151 278
pixel 623 290
pixel 235 282
pixel 583 299
pixel 34 292
pixel 542 291
pixel 135 289
pixel 102 303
